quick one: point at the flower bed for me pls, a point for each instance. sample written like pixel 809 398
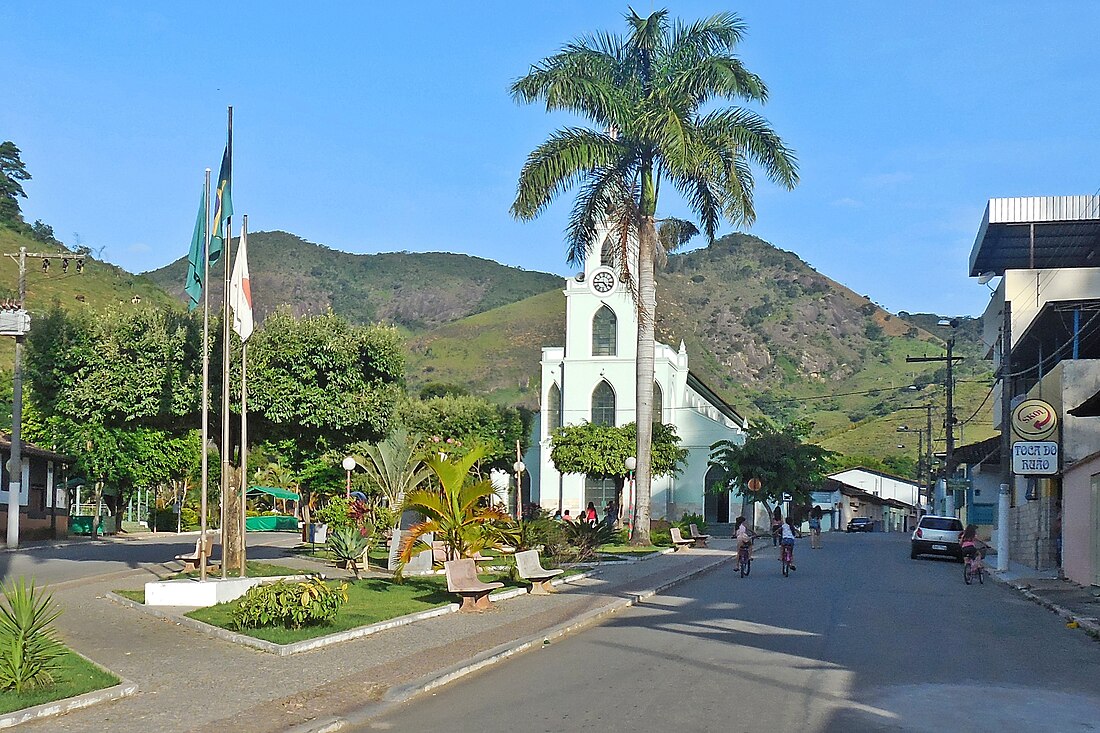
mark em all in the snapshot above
pixel 76 676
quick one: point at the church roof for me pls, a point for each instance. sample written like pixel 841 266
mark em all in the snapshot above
pixel 715 401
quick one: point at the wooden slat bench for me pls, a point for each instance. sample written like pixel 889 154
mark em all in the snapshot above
pixel 462 579
pixel 529 568
pixel 678 541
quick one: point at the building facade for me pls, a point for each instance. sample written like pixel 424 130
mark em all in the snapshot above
pixel 591 378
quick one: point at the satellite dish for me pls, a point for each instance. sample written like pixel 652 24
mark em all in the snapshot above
pixel 986 277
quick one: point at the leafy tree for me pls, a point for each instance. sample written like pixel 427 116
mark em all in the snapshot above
pixel 12 171
pixel 648 95
pixel 471 420
pixel 442 389
pixel 602 450
pixel 394 465
pixel 778 457
pixel 459 512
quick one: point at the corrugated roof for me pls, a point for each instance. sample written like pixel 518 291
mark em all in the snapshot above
pixel 30 449
pixel 1067 234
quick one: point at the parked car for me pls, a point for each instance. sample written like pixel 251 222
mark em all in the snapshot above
pixel 936 536
pixel 860 524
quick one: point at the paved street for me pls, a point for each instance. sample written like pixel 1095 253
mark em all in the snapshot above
pixel 859 638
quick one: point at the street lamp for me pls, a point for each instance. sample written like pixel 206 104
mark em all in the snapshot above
pixel 631 463
pixel 519 468
pixel 349 465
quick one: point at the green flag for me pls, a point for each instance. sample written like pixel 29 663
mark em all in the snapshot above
pixel 196 272
pixel 223 204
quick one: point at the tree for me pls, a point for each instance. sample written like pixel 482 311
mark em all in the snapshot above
pixel 602 450
pixel 778 458
pixel 458 512
pixel 393 465
pixel 12 171
pixel 645 92
pixel 471 420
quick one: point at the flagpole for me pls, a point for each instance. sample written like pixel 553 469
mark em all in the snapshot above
pixel 205 382
pixel 244 421
pixel 226 328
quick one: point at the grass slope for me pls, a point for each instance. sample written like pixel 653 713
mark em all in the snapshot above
pixel 412 290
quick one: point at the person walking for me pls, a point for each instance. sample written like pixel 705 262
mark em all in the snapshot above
pixel 815 528
pixel 777 524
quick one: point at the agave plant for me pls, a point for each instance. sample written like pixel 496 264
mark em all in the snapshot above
pixel 349 545
pixel 30 653
pixel 459 512
pixel 584 539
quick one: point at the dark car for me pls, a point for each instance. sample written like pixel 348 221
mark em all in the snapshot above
pixel 860 524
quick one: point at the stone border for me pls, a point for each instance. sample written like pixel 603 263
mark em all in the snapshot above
pixel 285 650
pixel 400 694
pixel 1090 624
pixel 124 688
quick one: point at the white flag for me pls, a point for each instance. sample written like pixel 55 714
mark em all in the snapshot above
pixel 240 292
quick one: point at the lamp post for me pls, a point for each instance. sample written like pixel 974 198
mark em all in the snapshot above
pixel 920 459
pixel 519 468
pixel 349 465
pixel 627 512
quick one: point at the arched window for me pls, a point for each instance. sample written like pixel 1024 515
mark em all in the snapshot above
pixel 604 326
pixel 603 404
pixel 608 253
pixel 716 497
pixel 553 408
pixel 658 402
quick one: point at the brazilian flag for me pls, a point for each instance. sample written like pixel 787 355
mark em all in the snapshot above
pixel 223 204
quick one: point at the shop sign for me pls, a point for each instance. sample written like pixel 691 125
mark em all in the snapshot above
pixel 1034 458
pixel 1034 420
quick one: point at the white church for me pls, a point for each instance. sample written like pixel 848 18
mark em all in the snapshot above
pixel 592 378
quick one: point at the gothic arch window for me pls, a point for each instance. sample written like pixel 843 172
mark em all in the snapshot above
pixel 608 255
pixel 604 326
pixel 603 404
pixel 553 408
pixel 658 402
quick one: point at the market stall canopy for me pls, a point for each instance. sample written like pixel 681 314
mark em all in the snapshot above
pixel 273 491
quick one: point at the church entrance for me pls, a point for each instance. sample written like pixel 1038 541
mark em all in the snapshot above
pixel 716 505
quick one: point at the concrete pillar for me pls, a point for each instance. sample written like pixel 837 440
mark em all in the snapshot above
pixel 1003 497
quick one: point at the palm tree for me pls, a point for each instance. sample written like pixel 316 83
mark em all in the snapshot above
pixel 645 92
pixel 393 465
pixel 459 513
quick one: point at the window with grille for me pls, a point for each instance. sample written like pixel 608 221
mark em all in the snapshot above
pixel 603 404
pixel 603 332
pixel 553 408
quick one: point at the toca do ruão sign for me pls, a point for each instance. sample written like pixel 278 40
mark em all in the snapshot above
pixel 1034 420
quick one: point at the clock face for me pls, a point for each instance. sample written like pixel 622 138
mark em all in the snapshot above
pixel 603 281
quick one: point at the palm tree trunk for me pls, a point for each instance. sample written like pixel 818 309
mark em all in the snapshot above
pixel 647 308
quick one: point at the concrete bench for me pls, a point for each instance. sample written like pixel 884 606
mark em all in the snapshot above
pixel 699 538
pixel 439 553
pixel 191 561
pixel 529 568
pixel 678 541
pixel 462 579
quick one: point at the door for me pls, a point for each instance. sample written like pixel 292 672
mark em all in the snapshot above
pixel 716 504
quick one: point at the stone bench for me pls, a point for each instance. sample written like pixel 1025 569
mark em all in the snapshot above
pixel 678 541
pixel 462 579
pixel 191 561
pixel 697 537
pixel 529 568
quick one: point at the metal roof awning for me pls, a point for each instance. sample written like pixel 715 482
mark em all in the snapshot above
pixel 1037 232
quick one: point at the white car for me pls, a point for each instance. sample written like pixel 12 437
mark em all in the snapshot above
pixel 937 536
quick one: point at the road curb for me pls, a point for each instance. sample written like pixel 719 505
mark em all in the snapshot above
pixel 286 650
pixel 124 688
pixel 402 693
pixel 1088 623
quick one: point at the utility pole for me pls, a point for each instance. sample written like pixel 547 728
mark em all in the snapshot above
pixel 1004 497
pixel 925 460
pixel 949 422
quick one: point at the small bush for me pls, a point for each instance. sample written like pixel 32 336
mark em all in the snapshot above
pixel 689 519
pixel 336 514
pixel 30 654
pixel 583 539
pixel 659 534
pixel 290 605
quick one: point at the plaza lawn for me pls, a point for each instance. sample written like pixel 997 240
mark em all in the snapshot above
pixel 370 600
pixel 77 676
pixel 255 570
pixel 629 550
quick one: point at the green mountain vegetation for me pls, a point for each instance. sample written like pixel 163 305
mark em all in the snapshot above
pixel 412 290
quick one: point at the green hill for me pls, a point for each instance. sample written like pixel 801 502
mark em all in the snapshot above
pixel 413 290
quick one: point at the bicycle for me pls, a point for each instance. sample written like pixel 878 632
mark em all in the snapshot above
pixel 744 557
pixel 786 557
pixel 974 567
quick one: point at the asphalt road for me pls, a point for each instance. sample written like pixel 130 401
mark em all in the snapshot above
pixel 80 559
pixel 859 638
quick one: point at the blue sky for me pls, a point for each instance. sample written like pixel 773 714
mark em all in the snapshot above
pixel 381 127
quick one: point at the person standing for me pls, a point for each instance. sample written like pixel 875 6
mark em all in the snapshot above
pixel 815 528
pixel 777 524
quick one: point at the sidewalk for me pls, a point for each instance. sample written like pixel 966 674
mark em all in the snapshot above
pixel 190 682
pixel 1073 602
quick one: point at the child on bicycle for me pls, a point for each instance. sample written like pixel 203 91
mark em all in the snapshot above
pixel 788 533
pixel 968 541
pixel 741 534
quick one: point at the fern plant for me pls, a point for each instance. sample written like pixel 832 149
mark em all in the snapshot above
pixel 30 653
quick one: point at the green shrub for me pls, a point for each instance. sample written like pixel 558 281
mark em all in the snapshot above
pixel 689 519
pixel 336 514
pixel 348 545
pixel 659 534
pixel 583 539
pixel 30 654
pixel 189 518
pixel 290 605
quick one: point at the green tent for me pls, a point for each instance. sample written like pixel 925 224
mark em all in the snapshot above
pixel 273 491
